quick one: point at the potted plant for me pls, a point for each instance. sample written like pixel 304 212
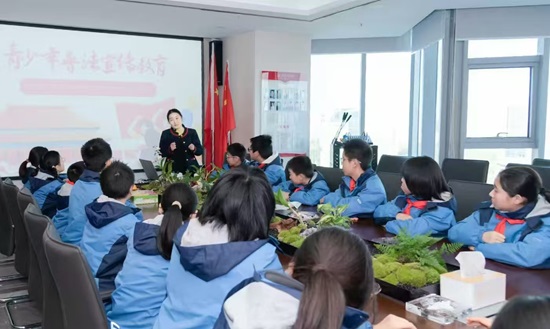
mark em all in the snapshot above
pixel 408 267
pixel 294 230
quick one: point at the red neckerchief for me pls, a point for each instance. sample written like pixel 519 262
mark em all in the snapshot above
pixel 352 184
pixel 262 165
pixel 501 226
pixel 415 204
pixel 298 189
pixel 69 182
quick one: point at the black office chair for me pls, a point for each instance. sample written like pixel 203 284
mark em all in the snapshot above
pixel 82 307
pixel 541 162
pixel 7 229
pixel 391 163
pixel 27 312
pixel 333 176
pixel 544 172
pixel 391 182
pixel 52 316
pixel 22 245
pixel 469 195
pixel 465 170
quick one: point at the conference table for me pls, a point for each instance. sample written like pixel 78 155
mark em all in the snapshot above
pixel 518 281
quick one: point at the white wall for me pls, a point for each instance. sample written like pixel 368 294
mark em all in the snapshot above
pixel 361 45
pixel 251 53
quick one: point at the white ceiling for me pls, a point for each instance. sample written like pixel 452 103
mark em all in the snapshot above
pixel 322 19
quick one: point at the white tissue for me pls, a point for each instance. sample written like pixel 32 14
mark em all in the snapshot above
pixel 472 263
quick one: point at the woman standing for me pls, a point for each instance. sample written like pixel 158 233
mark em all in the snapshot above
pixel 180 144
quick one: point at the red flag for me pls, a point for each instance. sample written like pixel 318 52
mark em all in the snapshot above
pixel 212 105
pixel 227 122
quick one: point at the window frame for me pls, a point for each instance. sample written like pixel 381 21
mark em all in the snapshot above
pixel 531 62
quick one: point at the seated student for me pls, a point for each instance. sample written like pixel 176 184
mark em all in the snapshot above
pixel 213 253
pixel 427 205
pixel 96 154
pixel 61 198
pixel 329 284
pixel 361 188
pixel 47 181
pixel 306 185
pixel 29 167
pixel 529 312
pixel 110 223
pixel 235 156
pixel 141 284
pixel 514 228
pixel 261 153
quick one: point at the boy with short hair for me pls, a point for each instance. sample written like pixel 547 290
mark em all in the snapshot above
pixel 306 185
pixel 261 152
pixel 97 155
pixel 235 156
pixel 361 189
pixel 109 224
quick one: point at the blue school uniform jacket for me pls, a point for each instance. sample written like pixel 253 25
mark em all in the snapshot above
pixel 141 284
pixel 84 191
pixel 273 169
pixel 526 244
pixel 368 194
pixel 271 300
pixel 45 195
pixel 309 194
pixel 104 239
pixel 436 218
pixel 199 278
pixel 61 199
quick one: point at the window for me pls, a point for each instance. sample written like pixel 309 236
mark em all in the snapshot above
pixel 498 102
pixel 499 158
pixel 387 101
pixel 502 48
pixel 335 89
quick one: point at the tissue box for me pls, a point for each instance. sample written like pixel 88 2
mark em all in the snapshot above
pixel 474 292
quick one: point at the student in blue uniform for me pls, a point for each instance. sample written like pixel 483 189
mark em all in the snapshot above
pixel 180 144
pixel 235 156
pixel 261 153
pixel 329 284
pixel 215 252
pixel 361 189
pixel 110 223
pixel 426 206
pixel 306 185
pixel 141 284
pixel 47 182
pixel 514 228
pixel 29 167
pixel 61 198
pixel 96 154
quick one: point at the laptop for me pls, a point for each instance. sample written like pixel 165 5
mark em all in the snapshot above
pixel 149 169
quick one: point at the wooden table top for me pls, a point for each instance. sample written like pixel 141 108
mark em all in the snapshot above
pixel 518 281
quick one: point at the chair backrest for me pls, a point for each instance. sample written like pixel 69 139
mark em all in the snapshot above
pixel 21 239
pixel 80 303
pixel 7 229
pixel 333 176
pixel 391 182
pixel 465 170
pixel 468 196
pixel 35 285
pixel 391 163
pixel 544 172
pixel 541 162
pixel 52 318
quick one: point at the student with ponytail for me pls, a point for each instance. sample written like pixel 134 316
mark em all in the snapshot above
pixel 141 284
pixel 330 284
pixel 29 167
pixel 47 182
pixel 514 228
